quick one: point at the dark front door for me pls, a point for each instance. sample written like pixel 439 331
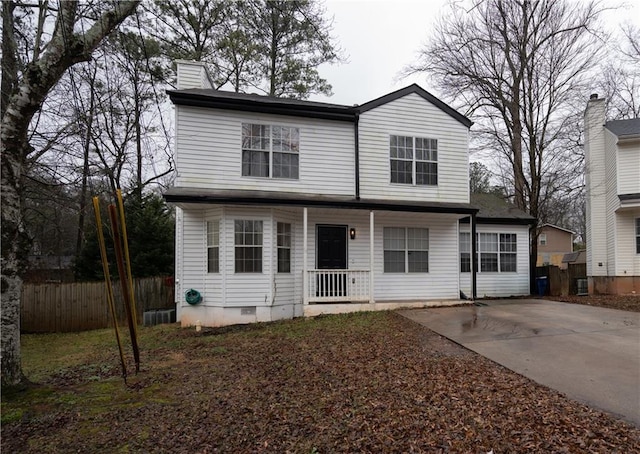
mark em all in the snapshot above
pixel 332 255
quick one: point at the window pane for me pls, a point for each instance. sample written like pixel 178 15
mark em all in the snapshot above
pixel 255 163
pixel 465 262
pixel 508 262
pixel 418 239
pixel 508 242
pixel 394 261
pixel 426 173
pixel 418 261
pixel 401 172
pixel 394 238
pixel 465 242
pixel 285 165
pixel 488 242
pixel 213 264
pixel 284 260
pixel 488 262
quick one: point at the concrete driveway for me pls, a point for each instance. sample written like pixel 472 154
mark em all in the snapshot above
pixel 589 353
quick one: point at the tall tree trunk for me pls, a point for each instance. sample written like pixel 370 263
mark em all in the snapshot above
pixel 85 173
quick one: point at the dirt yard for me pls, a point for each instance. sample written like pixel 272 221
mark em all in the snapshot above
pixel 622 302
pixel 371 382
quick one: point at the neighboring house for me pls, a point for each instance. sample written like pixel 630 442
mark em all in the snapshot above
pixel 503 233
pixel 553 243
pixel 287 208
pixel 612 158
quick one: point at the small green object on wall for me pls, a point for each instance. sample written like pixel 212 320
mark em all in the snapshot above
pixel 193 296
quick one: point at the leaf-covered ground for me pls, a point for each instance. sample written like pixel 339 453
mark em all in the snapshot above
pixel 622 302
pixel 371 382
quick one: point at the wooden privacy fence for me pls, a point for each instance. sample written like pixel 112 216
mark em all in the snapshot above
pixel 562 282
pixel 81 306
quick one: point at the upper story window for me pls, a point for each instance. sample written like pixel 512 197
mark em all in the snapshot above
pixel 542 239
pixel 637 235
pixel 270 151
pixel 413 160
pixel 406 250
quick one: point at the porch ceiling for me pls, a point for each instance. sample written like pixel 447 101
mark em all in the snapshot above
pixel 179 195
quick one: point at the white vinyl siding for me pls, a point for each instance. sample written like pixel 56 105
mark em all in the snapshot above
pixel 413 116
pixel 209 153
pixel 440 282
pixel 498 284
pixel 628 169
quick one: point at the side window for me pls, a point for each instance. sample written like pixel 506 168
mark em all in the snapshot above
pixel 465 252
pixel 213 246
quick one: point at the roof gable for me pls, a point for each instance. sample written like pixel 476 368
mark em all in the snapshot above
pixel 415 88
pixel 557 228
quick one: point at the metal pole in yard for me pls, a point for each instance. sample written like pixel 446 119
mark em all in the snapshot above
pixel 124 283
pixel 107 282
pixel 127 260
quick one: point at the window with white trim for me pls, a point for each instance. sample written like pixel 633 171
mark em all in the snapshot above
pixel 213 246
pixel 542 239
pixel 413 160
pixel 637 235
pixel 248 246
pixel 406 250
pixel 497 252
pixel 508 253
pixel 465 252
pixel 270 151
pixel 284 247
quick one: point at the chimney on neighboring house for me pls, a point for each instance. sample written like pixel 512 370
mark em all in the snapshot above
pixel 192 74
pixel 596 183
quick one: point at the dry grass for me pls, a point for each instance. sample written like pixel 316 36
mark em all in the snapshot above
pixel 370 382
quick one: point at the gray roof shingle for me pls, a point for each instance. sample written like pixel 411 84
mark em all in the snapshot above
pixel 624 128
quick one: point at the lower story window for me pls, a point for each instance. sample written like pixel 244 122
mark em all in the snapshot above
pixel 248 246
pixel 284 247
pixel 406 250
pixel 637 235
pixel 496 252
pixel 213 246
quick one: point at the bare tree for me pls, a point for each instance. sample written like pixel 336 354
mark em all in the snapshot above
pixel 74 37
pixel 521 68
pixel 620 78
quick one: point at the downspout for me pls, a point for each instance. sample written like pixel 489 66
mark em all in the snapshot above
pixel 357 150
pixel 474 261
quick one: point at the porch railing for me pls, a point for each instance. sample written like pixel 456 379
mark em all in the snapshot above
pixel 334 286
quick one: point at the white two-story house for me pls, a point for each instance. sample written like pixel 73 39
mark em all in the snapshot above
pixel 612 157
pixel 287 208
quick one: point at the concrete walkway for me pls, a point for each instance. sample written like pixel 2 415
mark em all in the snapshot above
pixel 591 354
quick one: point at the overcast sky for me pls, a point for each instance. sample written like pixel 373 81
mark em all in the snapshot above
pixel 381 37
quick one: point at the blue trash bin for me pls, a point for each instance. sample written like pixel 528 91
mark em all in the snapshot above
pixel 541 283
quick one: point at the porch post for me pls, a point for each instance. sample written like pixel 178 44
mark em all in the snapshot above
pixel 371 250
pixel 305 279
pixel 474 275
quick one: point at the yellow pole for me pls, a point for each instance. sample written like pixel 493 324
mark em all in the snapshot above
pixel 107 281
pixel 127 260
